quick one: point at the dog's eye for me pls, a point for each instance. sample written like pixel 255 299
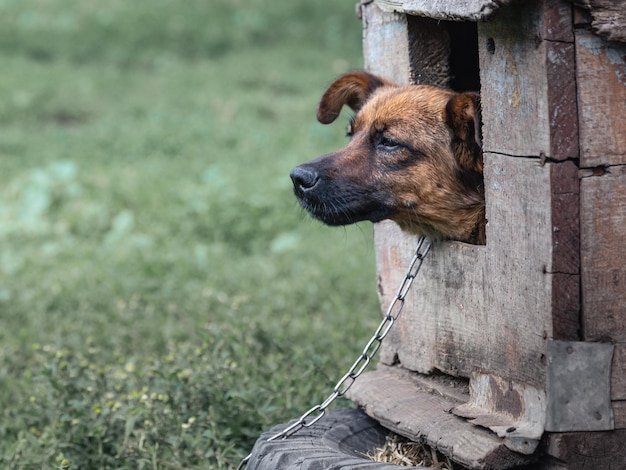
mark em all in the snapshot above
pixel 388 144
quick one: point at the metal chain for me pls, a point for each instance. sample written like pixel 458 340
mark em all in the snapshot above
pixel 369 351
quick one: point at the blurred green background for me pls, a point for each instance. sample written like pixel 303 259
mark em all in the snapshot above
pixel 163 299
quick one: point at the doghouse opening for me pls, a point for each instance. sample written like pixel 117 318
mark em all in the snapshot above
pixel 464 66
pixel 444 53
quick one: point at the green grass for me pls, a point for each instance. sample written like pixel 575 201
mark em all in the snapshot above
pixel 163 300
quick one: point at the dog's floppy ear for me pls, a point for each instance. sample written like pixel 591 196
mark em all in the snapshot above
pixel 463 117
pixel 352 89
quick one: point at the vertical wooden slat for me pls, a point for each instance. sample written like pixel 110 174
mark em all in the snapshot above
pixel 603 220
pixel 618 376
pixel 514 83
pixel 540 121
pixel 385 44
pixel 601 81
pixel 565 270
pixel 519 282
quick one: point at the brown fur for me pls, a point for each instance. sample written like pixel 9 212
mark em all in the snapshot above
pixel 414 157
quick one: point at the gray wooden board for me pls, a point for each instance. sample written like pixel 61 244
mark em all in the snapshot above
pixel 619 414
pixel 391 396
pixel 519 284
pixel 601 82
pixel 600 450
pixel 514 411
pixel 527 81
pixel 618 372
pixel 444 312
pixel 513 85
pixel 476 307
pixel 609 17
pixel 385 44
pixel 603 244
pixel 472 10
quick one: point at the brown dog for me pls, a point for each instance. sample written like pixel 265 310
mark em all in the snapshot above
pixel 414 157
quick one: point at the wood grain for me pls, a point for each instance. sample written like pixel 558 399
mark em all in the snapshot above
pixel 565 201
pixel 603 246
pixel 385 44
pixel 618 373
pixel 528 81
pixel 601 82
pixel 519 281
pixel 472 10
pixel 407 407
pixel 619 414
pixel 609 17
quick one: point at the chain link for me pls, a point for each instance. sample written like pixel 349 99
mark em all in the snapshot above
pixel 369 351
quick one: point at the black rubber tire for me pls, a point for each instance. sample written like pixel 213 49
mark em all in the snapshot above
pixel 338 441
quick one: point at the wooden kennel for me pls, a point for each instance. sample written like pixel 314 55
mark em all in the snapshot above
pixel 514 352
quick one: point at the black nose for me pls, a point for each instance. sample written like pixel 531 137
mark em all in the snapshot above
pixel 304 178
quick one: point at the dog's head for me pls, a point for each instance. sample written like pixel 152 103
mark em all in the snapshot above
pixel 414 157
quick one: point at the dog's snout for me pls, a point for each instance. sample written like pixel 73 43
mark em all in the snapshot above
pixel 304 178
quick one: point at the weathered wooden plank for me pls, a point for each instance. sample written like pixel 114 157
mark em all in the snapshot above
pixel 609 17
pixel 589 450
pixel 513 84
pixel 565 194
pixel 566 306
pixel 618 372
pixel 561 95
pixel 489 309
pixel 469 10
pixel 619 414
pixel 409 408
pixel 601 82
pixel 385 44
pixel 519 284
pixel 565 188
pixel 603 247
pixel 443 324
pixel 527 77
pixel 557 21
pixel 558 34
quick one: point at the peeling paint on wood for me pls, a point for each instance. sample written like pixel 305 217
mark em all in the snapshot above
pixel 514 411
